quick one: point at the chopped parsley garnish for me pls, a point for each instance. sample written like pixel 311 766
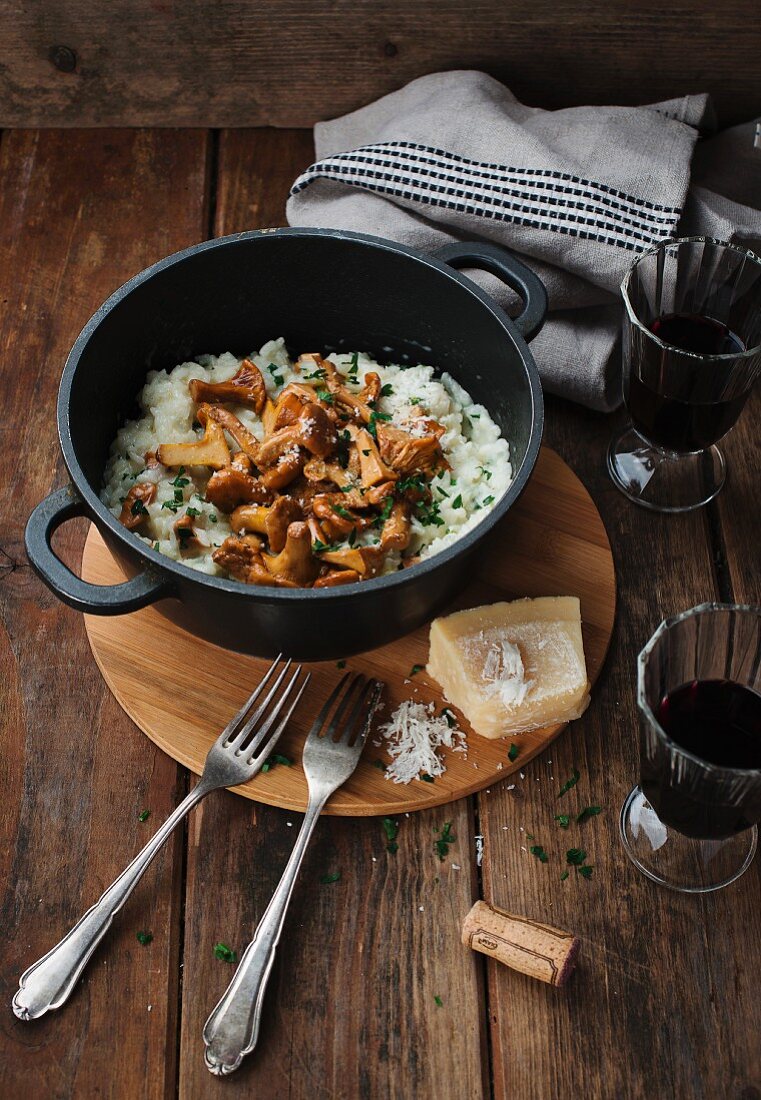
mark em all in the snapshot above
pixel 488 500
pixel 138 508
pixel 586 870
pixel 276 758
pixel 443 841
pixel 352 536
pixel 171 505
pixel 457 502
pixel 513 752
pixel 390 828
pixel 340 664
pixel 443 492
pixel 564 875
pixel 156 546
pixel 588 811
pixel 224 953
pixel 417 482
pixel 450 718
pixel 388 504
pixel 563 820
pixel 415 669
pixel 486 472
pixel 354 363
pixel 374 418
pixel 192 512
pixel 438 1001
pixel 196 425
pixel 341 511
pixel 179 496
pixel 538 851
pixel 426 778
pixel 429 514
pixel 570 783
pixel 144 938
pixel 143 815
pixel 575 856
pixel 387 390
pixel 325 395
pixel 212 517
pixel 415 400
pixel 334 876
pixel 184 534
pixel 318 373
pixel 320 547
pixel 179 481
pixel 274 370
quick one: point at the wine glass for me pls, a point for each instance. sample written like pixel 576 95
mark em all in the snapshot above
pixel 691 353
pixel 691 823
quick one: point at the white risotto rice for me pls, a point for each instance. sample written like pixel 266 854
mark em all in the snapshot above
pixel 478 456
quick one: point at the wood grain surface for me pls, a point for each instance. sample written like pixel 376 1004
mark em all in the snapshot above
pixel 664 999
pixel 552 542
pixel 294 62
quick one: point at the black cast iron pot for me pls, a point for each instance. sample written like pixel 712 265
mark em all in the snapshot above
pixel 322 290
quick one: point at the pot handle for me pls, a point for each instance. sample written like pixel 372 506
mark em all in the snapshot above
pixel 94 599
pixel 498 261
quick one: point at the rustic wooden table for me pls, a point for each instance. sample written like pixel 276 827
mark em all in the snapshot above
pixel 665 999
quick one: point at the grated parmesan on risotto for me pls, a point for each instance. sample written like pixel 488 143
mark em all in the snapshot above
pixel 478 457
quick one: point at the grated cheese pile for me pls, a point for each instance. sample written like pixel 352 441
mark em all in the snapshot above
pixel 413 735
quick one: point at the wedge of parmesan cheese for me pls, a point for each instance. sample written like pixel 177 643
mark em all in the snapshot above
pixel 511 667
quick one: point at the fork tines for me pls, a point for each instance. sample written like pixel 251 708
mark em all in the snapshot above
pixel 358 699
pixel 243 733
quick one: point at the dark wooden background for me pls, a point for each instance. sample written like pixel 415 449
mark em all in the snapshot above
pixel 223 63
pixel 665 1000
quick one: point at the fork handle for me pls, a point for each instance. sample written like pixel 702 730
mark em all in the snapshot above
pixel 232 1029
pixel 48 983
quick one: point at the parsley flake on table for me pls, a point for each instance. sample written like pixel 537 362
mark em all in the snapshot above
pixel 575 777
pixel 565 875
pixel 333 876
pixel 512 753
pixel 444 840
pixel 575 856
pixel 426 778
pixel 340 664
pixel 538 851
pixel 415 669
pixel 438 1001
pixel 586 870
pixel 588 811
pixel 144 938
pixel 391 829
pixel 563 820
pixel 143 815
pixel 224 953
pixel 276 758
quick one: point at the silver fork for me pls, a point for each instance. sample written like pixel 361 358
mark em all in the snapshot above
pixel 236 755
pixel 329 758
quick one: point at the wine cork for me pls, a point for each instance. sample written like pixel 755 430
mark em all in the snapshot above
pixel 538 950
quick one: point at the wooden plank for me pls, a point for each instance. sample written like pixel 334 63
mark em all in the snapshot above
pixel 293 62
pixel 739 506
pixel 351 1010
pixel 79 213
pixel 663 997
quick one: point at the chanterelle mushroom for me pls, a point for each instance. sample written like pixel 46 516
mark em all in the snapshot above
pixel 246 387
pixel 212 450
pixel 397 529
pixel 313 429
pixel 134 509
pixel 242 435
pixel 410 454
pixel 365 560
pixel 334 577
pixel 190 539
pixel 372 468
pixel 295 562
pixel 272 522
pixel 228 488
pixel 242 559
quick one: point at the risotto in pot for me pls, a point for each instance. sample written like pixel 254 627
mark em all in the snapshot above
pixel 318 472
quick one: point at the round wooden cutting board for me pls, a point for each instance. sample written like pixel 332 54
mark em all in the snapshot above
pixel 182 691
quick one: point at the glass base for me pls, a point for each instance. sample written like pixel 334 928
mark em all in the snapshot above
pixel 663 481
pixel 681 862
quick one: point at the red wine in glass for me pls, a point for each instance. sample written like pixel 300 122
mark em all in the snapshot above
pixel 719 722
pixel 683 421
